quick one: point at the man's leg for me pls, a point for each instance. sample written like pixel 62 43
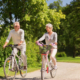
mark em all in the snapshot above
pixel 14 52
pixel 23 56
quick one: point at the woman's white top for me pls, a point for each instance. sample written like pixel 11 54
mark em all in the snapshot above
pixel 49 39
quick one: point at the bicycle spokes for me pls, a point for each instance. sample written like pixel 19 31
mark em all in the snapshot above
pixel 7 69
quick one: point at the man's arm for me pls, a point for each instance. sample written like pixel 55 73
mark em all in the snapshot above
pixel 7 40
pixel 5 44
pixel 42 38
pixel 22 37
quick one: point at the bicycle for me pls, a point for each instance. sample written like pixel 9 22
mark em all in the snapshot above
pixel 47 65
pixel 17 65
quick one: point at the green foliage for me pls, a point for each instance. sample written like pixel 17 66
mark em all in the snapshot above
pixel 70 29
pixel 38 16
pixel 33 55
pixel 61 54
pixel 3 53
pixel 56 5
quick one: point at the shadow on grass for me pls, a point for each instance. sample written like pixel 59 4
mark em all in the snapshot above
pixel 22 78
pixel 1 77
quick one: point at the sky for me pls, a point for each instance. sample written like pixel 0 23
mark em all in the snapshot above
pixel 64 2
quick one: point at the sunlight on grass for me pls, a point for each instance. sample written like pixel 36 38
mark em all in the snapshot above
pixel 68 59
pixel 31 69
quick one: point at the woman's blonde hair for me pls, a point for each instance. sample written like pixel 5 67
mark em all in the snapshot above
pixel 49 25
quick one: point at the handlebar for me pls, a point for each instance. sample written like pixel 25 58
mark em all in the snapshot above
pixel 12 46
pixel 42 44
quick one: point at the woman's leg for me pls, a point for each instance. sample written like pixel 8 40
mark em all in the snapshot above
pixel 52 56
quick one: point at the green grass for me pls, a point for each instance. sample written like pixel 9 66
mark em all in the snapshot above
pixel 29 70
pixel 68 59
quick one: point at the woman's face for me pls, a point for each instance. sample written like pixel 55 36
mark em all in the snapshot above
pixel 48 29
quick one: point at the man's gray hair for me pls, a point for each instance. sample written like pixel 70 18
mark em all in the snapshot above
pixel 49 25
pixel 14 24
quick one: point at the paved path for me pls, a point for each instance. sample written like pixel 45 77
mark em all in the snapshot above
pixel 66 71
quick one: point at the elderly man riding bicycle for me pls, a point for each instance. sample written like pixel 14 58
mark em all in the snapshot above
pixel 17 36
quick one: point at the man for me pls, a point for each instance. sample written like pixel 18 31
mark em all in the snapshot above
pixel 17 36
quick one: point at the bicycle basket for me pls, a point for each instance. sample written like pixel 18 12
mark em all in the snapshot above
pixel 44 48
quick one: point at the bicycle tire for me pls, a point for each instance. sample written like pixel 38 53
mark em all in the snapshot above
pixel 23 72
pixel 53 71
pixel 9 74
pixel 43 69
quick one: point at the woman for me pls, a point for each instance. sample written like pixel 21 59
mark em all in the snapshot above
pixel 50 38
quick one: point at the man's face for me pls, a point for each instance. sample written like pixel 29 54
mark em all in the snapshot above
pixel 17 27
pixel 48 29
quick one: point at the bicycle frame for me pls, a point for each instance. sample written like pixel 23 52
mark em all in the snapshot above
pixel 17 64
pixel 45 62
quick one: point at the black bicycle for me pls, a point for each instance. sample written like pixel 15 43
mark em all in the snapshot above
pixel 17 65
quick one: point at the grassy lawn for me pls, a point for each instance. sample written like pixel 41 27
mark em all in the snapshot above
pixel 68 59
pixel 29 70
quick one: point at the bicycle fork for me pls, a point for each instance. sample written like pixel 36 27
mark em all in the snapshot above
pixel 45 63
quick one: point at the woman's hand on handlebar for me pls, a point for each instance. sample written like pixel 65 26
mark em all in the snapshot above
pixel 38 43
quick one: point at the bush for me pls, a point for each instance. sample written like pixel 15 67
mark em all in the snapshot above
pixel 32 52
pixel 61 54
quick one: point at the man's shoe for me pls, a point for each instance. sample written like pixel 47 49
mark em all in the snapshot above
pixel 24 68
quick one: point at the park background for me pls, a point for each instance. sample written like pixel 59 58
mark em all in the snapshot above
pixel 33 15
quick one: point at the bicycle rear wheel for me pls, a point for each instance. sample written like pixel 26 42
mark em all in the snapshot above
pixel 53 71
pixel 7 72
pixel 23 72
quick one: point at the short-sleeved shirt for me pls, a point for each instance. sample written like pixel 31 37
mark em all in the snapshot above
pixel 49 39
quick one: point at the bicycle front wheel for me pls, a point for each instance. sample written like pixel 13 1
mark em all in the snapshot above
pixel 53 71
pixel 43 68
pixel 23 71
pixel 7 72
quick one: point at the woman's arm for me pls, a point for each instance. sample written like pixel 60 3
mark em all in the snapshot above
pixel 56 38
pixel 42 38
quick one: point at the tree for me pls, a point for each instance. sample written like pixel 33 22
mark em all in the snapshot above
pixel 56 5
pixel 69 32
pixel 12 10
